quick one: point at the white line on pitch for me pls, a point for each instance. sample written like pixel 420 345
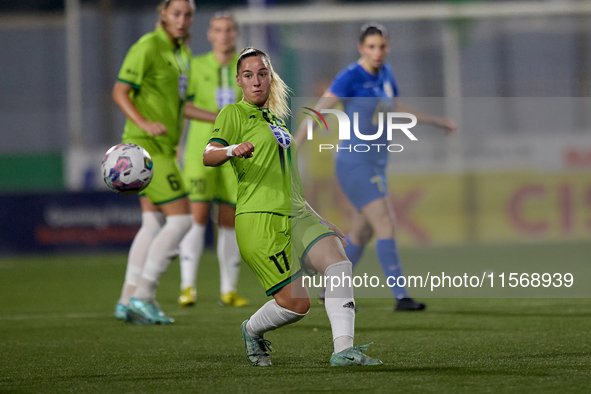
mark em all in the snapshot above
pixel 72 316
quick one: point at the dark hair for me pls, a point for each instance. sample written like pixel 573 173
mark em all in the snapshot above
pixel 370 29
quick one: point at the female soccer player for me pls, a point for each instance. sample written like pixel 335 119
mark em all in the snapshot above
pixel 152 92
pixel 279 235
pixel 367 87
pixel 214 85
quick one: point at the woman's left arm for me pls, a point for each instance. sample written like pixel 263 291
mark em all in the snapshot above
pixel 195 113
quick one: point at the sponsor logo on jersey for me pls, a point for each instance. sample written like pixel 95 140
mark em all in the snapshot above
pixel 183 83
pixel 281 136
pixel 388 89
pixel 225 96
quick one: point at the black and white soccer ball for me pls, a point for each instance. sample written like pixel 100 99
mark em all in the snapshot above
pixel 127 168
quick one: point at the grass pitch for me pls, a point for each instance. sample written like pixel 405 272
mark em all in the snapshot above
pixel 57 333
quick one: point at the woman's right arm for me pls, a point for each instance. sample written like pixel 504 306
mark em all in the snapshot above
pixel 217 154
pixel 121 98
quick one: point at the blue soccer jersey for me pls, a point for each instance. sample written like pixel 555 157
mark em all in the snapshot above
pixel 367 95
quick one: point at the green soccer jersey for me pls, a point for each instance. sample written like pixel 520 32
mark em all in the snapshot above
pixel 159 74
pixel 270 180
pixel 214 86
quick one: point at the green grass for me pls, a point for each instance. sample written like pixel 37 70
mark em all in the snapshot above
pixel 57 334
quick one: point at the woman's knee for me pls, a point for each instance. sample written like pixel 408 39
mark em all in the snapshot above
pixel 297 305
pixel 383 227
pixel 200 212
pixel 327 251
pixel 227 215
pixel 380 217
pixel 301 306
pixel 363 236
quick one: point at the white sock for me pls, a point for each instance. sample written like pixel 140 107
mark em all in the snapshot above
pixel 190 251
pixel 151 224
pixel 270 317
pixel 229 258
pixel 340 305
pixel 162 249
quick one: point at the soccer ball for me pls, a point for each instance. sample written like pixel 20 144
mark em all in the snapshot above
pixel 127 169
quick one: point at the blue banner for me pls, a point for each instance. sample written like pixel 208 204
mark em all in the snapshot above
pixel 69 221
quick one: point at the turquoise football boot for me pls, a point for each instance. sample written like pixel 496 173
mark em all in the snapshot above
pixel 353 356
pixel 145 313
pixel 162 318
pixel 120 311
pixel 256 349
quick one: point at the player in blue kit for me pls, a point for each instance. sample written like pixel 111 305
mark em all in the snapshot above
pixel 367 88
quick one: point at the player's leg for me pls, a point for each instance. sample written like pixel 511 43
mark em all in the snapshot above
pixel 359 235
pixel 228 256
pixel 282 310
pixel 321 250
pixel 361 231
pixel 166 191
pixel 198 179
pixel 290 304
pixel 358 183
pixel 328 257
pixel 365 185
pixel 152 221
pixel 381 218
pixel 143 306
pixel 190 250
pixel 265 243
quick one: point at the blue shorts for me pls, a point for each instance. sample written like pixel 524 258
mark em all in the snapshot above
pixel 361 182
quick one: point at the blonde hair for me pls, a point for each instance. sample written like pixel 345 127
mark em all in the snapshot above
pixel 224 15
pixel 279 94
pixel 160 24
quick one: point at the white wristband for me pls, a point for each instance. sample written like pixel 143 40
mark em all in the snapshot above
pixel 230 150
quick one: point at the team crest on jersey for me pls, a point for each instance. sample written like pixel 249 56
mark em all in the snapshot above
pixel 283 138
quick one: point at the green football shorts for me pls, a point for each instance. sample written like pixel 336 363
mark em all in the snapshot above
pixel 207 184
pixel 167 183
pixel 275 246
